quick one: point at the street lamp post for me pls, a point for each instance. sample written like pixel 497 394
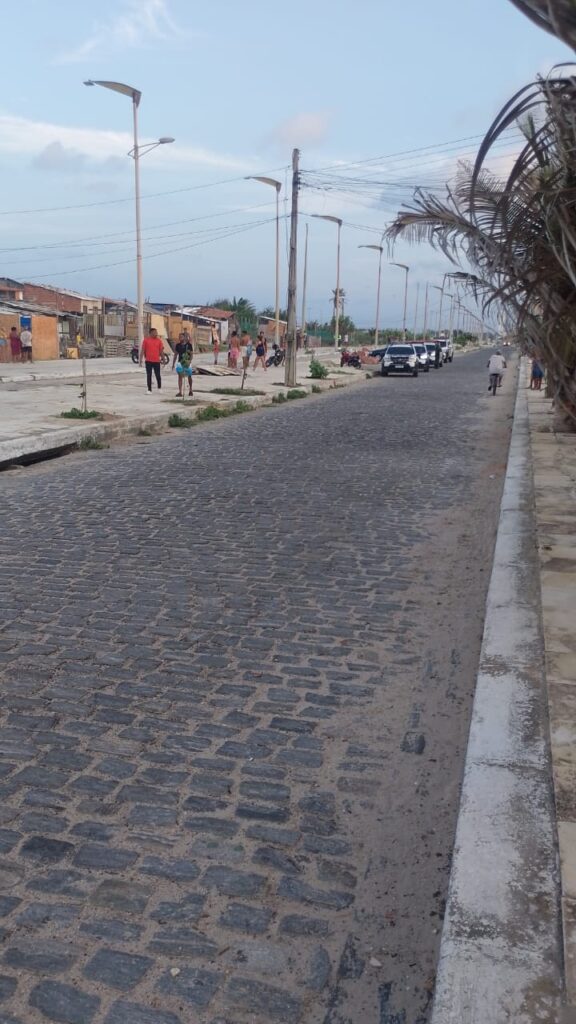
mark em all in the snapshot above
pixel 335 220
pixel 278 186
pixel 379 249
pixel 406 269
pixel 136 152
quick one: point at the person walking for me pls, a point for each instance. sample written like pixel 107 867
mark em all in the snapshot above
pixel 537 376
pixel 234 351
pixel 260 352
pixel 26 342
pixel 151 354
pixel 183 353
pixel 215 343
pixel 245 350
pixel 15 345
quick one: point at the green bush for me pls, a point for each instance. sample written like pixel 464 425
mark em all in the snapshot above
pixel 279 398
pixel 295 393
pixel 241 407
pixel 78 414
pixel 317 369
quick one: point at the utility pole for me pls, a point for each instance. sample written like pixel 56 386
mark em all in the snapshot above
pixel 425 314
pixel 290 365
pixel 304 283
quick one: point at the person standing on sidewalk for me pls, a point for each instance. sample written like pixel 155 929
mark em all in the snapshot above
pixel 26 341
pixel 183 352
pixel 151 354
pixel 234 350
pixel 245 350
pixel 215 343
pixel 15 345
pixel 260 352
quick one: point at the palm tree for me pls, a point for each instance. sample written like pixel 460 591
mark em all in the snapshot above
pixel 513 241
pixel 555 16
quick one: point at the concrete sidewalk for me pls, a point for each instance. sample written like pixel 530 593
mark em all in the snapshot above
pixel 501 954
pixel 31 422
pixel 554 462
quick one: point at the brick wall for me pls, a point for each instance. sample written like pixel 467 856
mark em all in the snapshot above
pixel 51 298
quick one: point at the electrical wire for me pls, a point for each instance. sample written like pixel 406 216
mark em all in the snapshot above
pixel 164 252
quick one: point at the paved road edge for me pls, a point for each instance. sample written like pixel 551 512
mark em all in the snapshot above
pixel 501 954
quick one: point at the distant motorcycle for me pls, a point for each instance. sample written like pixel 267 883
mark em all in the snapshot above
pixel 135 356
pixel 350 359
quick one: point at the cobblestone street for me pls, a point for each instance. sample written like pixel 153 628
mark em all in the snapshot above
pixel 236 668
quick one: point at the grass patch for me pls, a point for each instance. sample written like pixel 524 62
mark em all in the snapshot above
pixel 78 414
pixel 90 444
pixel 143 432
pixel 218 412
pixel 316 389
pixel 295 393
pixel 317 369
pixel 176 420
pixel 279 398
pixel 249 392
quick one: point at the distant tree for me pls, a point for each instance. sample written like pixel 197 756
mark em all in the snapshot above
pixel 242 307
pixel 271 312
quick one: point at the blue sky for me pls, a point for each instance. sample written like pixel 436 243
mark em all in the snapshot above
pixel 238 87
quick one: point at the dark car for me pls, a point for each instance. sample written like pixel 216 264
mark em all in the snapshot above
pixel 379 353
pixel 400 359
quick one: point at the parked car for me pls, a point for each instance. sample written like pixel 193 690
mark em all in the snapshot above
pixel 431 349
pixel 447 349
pixel 423 357
pixel 400 359
pixel 379 353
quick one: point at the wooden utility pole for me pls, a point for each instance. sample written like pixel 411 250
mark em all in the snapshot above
pixel 290 365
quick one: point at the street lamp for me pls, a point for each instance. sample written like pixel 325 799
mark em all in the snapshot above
pixel 335 220
pixel 136 152
pixel 406 270
pixel 441 290
pixel 379 249
pixel 277 185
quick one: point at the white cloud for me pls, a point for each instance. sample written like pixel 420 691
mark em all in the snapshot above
pixel 140 24
pixel 53 146
pixel 305 129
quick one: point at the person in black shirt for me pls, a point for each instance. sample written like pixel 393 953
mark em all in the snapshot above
pixel 183 352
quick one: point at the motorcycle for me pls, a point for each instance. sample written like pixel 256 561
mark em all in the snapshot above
pixel 277 357
pixel 135 356
pixel 350 359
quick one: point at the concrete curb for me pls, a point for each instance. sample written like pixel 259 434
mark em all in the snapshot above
pixel 35 447
pixel 500 957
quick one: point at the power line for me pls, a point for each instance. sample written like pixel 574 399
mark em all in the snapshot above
pixel 130 199
pixel 164 252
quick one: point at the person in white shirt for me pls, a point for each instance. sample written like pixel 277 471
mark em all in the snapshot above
pixel 26 342
pixel 497 364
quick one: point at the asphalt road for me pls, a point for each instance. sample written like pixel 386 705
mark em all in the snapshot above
pixel 236 669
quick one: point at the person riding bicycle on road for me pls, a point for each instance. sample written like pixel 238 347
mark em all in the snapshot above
pixel 497 365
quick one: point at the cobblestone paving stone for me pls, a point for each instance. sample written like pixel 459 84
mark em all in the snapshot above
pixel 194 631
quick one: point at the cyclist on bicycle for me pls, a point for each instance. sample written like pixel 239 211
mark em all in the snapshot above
pixel 497 365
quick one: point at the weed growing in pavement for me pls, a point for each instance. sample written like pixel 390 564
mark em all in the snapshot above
pixel 278 399
pixel 176 420
pixel 249 392
pixel 218 412
pixel 144 432
pixel 295 393
pixel 317 369
pixel 78 414
pixel 90 444
pixel 316 390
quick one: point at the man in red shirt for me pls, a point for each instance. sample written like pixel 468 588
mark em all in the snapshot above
pixel 151 354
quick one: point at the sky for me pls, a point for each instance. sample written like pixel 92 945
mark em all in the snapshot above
pixel 396 91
